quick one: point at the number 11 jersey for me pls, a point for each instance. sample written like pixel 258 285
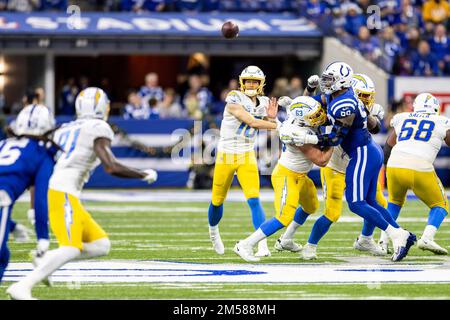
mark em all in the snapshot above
pixel 419 139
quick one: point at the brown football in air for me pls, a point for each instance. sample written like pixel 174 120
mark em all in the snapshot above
pixel 230 30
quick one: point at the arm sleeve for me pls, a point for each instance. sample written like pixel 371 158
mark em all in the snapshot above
pixel 40 198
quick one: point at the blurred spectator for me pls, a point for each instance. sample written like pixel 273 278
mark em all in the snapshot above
pixel 143 5
pixel 436 11
pixel 53 5
pixel 69 93
pixel 276 5
pixel 197 100
pixel 154 109
pixel 280 88
pixel 295 87
pixel 354 19
pixel 84 82
pixel 315 9
pixel 151 89
pixel 250 5
pixel 188 5
pixel 439 43
pixel 135 109
pixel 170 106
pixel 366 44
pixel 20 5
pixel 390 46
pixel 424 63
pixel 40 95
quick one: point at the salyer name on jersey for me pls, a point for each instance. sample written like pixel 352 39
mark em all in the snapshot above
pixel 419 139
pixel 237 136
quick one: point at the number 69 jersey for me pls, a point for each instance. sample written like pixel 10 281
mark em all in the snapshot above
pixel 419 139
pixel 236 136
pixel 73 166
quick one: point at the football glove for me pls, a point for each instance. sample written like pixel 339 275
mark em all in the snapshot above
pixel 377 111
pixel 151 176
pixel 284 101
pixel 313 81
pixel 304 136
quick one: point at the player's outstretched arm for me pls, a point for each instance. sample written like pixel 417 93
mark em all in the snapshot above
pixel 390 143
pixel 447 138
pixel 102 148
pixel 240 113
pixel 317 156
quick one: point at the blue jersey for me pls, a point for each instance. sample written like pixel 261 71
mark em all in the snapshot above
pixel 25 162
pixel 350 138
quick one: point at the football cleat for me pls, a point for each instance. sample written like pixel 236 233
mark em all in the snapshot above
pixel 430 245
pixel 287 245
pixel 368 245
pixel 384 245
pixel 309 252
pixel 21 233
pixel 19 292
pixel 245 251
pixel 36 260
pixel 402 242
pixel 263 250
pixel 217 243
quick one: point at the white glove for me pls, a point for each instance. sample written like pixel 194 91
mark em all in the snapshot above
pixel 377 111
pixel 151 176
pixel 313 81
pixel 304 136
pixel 284 101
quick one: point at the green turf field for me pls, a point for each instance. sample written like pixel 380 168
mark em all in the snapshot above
pixel 178 232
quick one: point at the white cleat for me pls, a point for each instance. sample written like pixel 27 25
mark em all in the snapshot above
pixel 19 292
pixel 430 245
pixel 245 251
pixel 36 261
pixel 21 233
pixel 263 250
pixel 217 243
pixel 368 245
pixel 309 252
pixel 401 242
pixel 287 245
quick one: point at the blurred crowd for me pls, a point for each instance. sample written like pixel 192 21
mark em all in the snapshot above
pixel 404 37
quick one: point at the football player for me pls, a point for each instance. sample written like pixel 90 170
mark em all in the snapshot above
pixel 333 180
pixel 291 184
pixel 247 110
pixel 26 158
pixel 410 151
pixel 349 129
pixel 84 141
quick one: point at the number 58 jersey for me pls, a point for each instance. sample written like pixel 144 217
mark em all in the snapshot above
pixel 74 165
pixel 235 136
pixel 419 139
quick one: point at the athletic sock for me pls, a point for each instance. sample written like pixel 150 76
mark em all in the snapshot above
pixel 258 215
pixel 215 213
pixel 319 229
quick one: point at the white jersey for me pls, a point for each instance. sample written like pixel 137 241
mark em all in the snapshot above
pixel 419 139
pixel 339 160
pixel 236 136
pixel 73 167
pixel 295 160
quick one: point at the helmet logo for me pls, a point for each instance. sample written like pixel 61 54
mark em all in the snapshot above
pixel 342 72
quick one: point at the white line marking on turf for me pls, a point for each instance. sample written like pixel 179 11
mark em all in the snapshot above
pixel 378 271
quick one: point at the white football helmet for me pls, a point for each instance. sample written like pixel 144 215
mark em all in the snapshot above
pixel 34 120
pixel 426 103
pixel 335 77
pixel 365 89
pixel 306 112
pixel 92 102
pixel 255 73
